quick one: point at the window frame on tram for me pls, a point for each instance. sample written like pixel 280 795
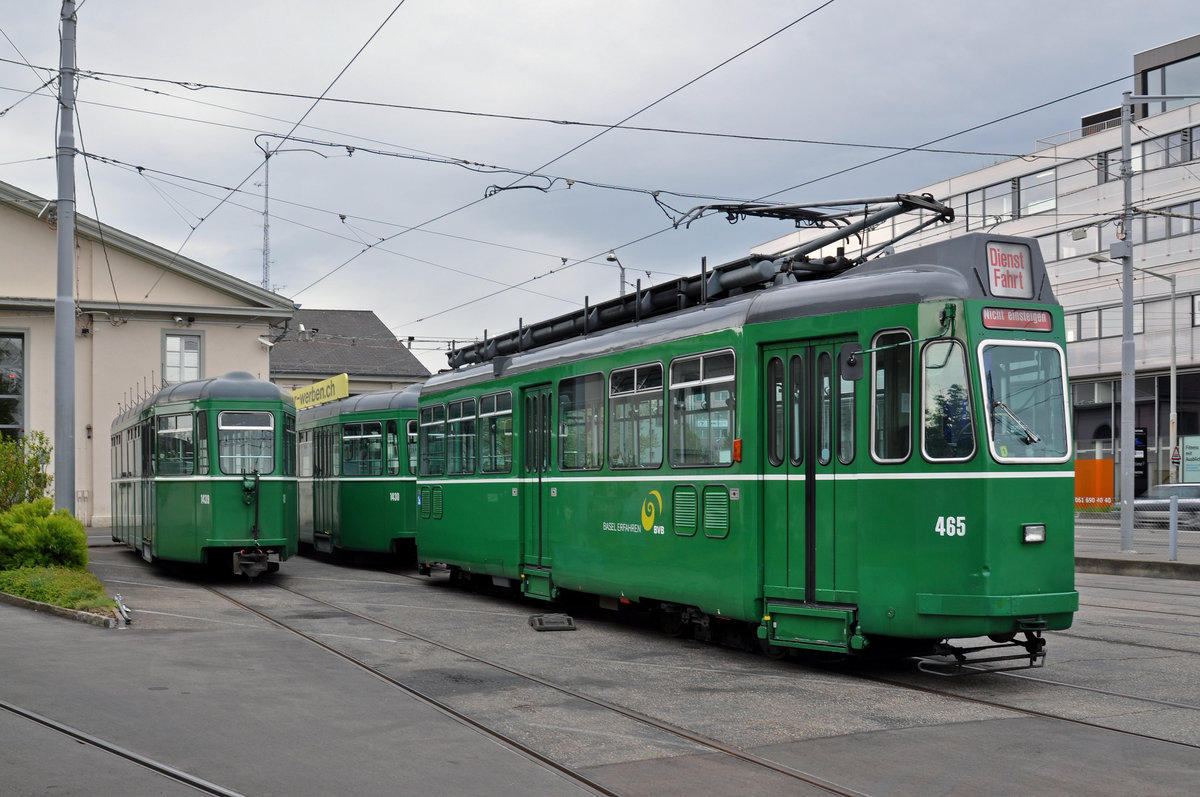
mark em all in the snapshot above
pixel 892 401
pixel 964 405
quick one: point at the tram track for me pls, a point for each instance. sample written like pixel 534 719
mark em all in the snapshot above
pixel 928 690
pixel 1066 685
pixel 707 743
pixel 806 777
pixel 164 770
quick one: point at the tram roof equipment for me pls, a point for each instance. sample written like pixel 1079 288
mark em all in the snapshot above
pixel 752 273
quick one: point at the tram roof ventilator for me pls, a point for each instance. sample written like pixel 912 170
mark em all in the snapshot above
pixel 751 273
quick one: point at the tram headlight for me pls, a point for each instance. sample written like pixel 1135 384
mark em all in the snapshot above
pixel 1033 532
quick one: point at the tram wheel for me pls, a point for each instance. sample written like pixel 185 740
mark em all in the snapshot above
pixel 673 624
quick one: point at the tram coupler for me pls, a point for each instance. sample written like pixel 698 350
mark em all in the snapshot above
pixel 251 563
pixel 951 660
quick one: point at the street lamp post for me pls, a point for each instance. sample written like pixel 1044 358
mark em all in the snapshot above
pixel 612 258
pixel 1123 251
pixel 1172 417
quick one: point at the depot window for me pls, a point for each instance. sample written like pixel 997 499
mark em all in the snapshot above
pixel 246 442
pixel 703 396
pixel 12 385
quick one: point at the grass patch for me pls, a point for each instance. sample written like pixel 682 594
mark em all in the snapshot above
pixel 59 586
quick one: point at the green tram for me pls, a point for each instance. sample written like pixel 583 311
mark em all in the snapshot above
pixel 357 472
pixel 878 459
pixel 205 472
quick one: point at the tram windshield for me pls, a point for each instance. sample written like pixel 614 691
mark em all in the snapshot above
pixel 246 442
pixel 1025 401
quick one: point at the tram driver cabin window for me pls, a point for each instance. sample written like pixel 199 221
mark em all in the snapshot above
pixel 703 396
pixel 246 442
pixel 362 449
pixel 891 396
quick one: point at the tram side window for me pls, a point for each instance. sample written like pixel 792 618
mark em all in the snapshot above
pixel 413 433
pixel 289 444
pixel 891 396
pixel 392 448
pixel 846 420
pixel 304 451
pixel 433 440
pixel 581 422
pixel 362 449
pixel 146 430
pixel 175 447
pixel 635 417
pixel 948 421
pixel 246 442
pixel 703 396
pixel 824 408
pixel 202 443
pixel 496 433
pixel 460 437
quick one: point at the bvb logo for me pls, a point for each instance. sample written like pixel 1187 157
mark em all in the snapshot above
pixel 650 510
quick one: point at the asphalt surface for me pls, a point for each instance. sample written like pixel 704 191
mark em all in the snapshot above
pixel 203 688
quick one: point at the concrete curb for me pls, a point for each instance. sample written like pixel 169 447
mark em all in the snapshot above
pixel 1183 571
pixel 101 620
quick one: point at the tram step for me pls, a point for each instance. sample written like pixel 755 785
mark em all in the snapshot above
pixel 536 583
pixel 812 627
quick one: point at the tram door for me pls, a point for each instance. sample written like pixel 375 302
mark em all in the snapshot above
pixel 803 450
pixel 538 412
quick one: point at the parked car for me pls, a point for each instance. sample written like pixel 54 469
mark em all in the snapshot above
pixel 1154 508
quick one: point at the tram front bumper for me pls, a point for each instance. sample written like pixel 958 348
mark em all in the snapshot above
pixel 997 605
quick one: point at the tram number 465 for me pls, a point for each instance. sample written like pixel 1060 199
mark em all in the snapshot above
pixel 951 526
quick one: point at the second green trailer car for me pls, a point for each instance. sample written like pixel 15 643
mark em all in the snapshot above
pixel 357 465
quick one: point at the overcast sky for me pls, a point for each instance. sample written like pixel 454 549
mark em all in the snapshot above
pixel 861 72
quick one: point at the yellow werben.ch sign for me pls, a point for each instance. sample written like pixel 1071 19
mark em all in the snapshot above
pixel 331 389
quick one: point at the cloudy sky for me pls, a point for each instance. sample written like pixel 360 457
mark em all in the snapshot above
pixel 406 189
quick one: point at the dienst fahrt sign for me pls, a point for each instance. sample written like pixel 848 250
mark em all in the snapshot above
pixel 1010 273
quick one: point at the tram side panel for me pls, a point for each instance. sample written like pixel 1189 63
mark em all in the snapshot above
pixel 628 539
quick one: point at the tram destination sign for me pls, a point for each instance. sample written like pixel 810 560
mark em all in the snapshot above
pixel 1009 271
pixel 1017 318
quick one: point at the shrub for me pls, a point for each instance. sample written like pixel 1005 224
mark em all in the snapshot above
pixel 23 475
pixel 32 536
pixel 73 589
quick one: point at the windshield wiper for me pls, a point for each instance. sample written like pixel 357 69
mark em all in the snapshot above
pixel 1030 436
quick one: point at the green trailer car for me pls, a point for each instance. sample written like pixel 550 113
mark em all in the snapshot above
pixel 357 473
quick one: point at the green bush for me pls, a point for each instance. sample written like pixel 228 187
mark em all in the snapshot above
pixel 23 475
pixel 32 536
pixel 73 589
